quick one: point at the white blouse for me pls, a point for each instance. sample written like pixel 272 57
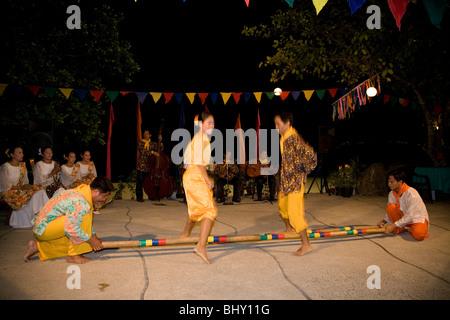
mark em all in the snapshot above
pixel 41 171
pixel 69 175
pixel 412 206
pixel 9 176
pixel 84 169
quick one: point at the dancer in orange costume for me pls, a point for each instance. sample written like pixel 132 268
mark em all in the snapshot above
pixel 405 209
pixel 198 185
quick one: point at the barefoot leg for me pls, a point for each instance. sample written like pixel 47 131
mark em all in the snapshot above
pixel 306 246
pixel 200 248
pixel 187 228
pixel 31 250
pixel 288 226
pixel 80 259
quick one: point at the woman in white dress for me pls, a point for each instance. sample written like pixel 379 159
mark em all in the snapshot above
pixel 46 171
pixel 24 199
pixel 70 172
pixel 88 172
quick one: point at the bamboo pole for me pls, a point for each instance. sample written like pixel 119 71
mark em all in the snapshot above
pixel 323 233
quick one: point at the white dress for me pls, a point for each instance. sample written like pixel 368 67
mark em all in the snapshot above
pixel 69 175
pixel 85 169
pixel 9 176
pixel 41 171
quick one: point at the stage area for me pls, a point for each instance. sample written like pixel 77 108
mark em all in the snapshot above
pixel 354 267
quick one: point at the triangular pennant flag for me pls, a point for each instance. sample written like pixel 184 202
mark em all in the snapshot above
pixel 124 93
pixel 290 2
pixel 295 94
pixel 2 88
pixel 308 94
pixel 257 96
pixel 319 4
pixel 81 93
pixel 97 94
pixel 284 94
pixel 156 96
pixel 141 96
pixel 18 89
pixel 178 96
pixel 34 89
pixel 236 96
pixel 398 9
pixel 66 92
pixel 333 92
pixel 191 96
pixel 50 91
pixel 214 96
pixel 225 96
pixel 202 97
pixel 168 96
pixel 436 10
pixel 355 5
pixel 269 94
pixel 247 96
pixel 321 93
pixel 112 95
pixel 247 2
pixel 386 98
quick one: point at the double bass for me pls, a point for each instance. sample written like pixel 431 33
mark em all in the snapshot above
pixel 159 184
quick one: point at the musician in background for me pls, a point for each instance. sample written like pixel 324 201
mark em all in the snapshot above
pixel 227 173
pixel 146 148
pixel 254 171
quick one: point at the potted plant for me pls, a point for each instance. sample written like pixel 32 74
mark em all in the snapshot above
pixel 344 179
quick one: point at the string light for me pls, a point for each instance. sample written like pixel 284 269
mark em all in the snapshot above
pixel 277 91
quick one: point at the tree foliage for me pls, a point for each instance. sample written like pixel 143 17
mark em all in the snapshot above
pixel 39 49
pixel 338 46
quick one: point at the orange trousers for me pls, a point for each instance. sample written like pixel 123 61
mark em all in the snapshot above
pixel 418 231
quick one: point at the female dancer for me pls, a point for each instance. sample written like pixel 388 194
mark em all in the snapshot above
pixel 198 185
pixel 46 171
pixel 88 172
pixel 70 172
pixel 24 199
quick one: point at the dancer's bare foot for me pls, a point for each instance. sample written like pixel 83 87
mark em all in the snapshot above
pixel 77 259
pixel 202 254
pixel 304 249
pixel 31 250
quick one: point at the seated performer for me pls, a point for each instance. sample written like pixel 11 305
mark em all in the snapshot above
pixel 46 171
pixel 227 173
pixel 298 159
pixel 254 171
pixel 145 148
pixel 88 172
pixel 24 199
pixel 70 172
pixel 405 209
pixel 63 228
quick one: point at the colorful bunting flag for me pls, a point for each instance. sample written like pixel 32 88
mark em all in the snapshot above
pixel 355 5
pixel 225 96
pixel 191 96
pixel 202 97
pixel 66 92
pixel 236 96
pixel 112 95
pixel 97 94
pixel 319 4
pixel 156 96
pixel 398 9
pixel 257 96
pixel 290 2
pixel 436 10
pixel 34 89
pixel 81 93
pixel 308 94
pixel 168 96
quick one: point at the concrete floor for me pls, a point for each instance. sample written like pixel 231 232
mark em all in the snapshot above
pixel 337 268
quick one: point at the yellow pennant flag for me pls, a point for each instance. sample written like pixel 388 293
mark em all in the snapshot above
pixel 191 96
pixel 225 96
pixel 258 96
pixel 2 88
pixel 308 94
pixel 319 4
pixel 66 92
pixel 156 96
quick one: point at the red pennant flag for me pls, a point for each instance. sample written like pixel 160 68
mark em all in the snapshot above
pixel 108 143
pixel 97 94
pixel 333 92
pixel 203 97
pixel 168 96
pixel 34 89
pixel 236 96
pixel 284 94
pixel 398 9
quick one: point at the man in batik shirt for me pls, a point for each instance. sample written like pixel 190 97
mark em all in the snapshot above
pixel 298 159
pixel 63 227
